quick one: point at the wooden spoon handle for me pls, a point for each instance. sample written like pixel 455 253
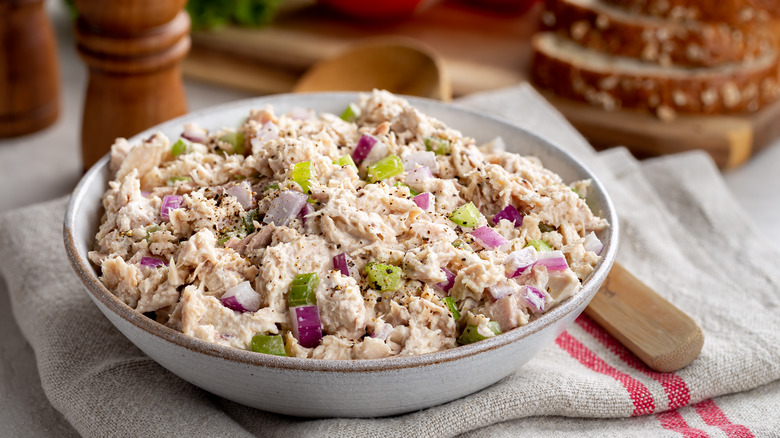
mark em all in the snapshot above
pixel 660 334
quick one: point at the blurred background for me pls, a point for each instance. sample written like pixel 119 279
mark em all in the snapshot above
pixel 75 74
pixel 114 68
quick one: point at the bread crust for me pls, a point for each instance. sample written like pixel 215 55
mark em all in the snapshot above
pixel 734 12
pixel 702 91
pixel 604 28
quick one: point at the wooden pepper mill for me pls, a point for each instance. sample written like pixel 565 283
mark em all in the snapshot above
pixel 29 70
pixel 133 49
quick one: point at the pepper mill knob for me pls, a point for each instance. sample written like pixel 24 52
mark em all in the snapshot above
pixel 29 70
pixel 133 49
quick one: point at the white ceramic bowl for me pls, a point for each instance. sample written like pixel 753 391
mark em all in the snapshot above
pixel 329 388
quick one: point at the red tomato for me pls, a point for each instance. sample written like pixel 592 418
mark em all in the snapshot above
pixel 374 9
pixel 514 6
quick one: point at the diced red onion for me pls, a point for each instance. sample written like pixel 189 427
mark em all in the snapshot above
pixel 518 261
pixel 232 304
pixel 503 289
pixel 306 210
pixel 341 263
pixel 553 260
pixel 195 134
pixel 447 284
pixel 241 298
pixel 146 194
pixel 169 203
pixel 488 237
pixel 285 207
pixel 378 152
pixel 416 176
pixel 535 299
pixel 424 201
pixel 299 113
pixel 243 193
pixel 268 132
pixel 306 326
pixel 422 159
pixel 152 262
pixel 592 243
pixel 384 332
pixel 509 213
pixel 363 148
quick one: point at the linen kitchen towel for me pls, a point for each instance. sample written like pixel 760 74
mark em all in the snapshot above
pixel 682 233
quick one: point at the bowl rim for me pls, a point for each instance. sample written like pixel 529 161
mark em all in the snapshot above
pixel 84 270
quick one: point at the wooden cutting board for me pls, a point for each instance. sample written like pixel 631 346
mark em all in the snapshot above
pixel 730 140
pixel 481 50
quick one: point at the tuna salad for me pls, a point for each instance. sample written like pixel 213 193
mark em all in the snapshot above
pixel 374 233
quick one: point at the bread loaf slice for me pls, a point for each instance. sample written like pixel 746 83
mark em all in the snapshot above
pixel 612 82
pixel 735 12
pixel 600 26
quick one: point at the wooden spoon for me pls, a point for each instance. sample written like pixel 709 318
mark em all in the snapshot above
pixel 661 335
pixel 664 337
pixel 398 65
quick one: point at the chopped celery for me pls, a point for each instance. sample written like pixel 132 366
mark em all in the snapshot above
pixel 387 167
pixel 236 139
pixel 351 114
pixel 249 220
pixel 268 344
pixel 150 230
pixel 172 180
pixel 273 186
pixel 466 215
pixel 224 238
pixel 439 146
pixel 412 191
pixel 462 245
pixel 346 160
pixel 544 228
pixel 227 235
pixel 539 245
pixel 471 334
pixel 179 147
pixel 302 290
pixel 452 307
pixel 301 174
pixel 383 277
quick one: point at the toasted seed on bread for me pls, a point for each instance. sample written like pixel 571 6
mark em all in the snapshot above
pixel 612 82
pixel 597 25
pixel 733 12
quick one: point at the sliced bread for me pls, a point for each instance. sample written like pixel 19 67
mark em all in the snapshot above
pixel 600 26
pixel 612 82
pixel 735 12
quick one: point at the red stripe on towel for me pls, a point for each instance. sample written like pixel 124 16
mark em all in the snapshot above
pixel 675 388
pixel 672 420
pixel 640 395
pixel 714 416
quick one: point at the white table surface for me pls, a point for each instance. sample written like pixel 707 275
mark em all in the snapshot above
pixel 47 164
